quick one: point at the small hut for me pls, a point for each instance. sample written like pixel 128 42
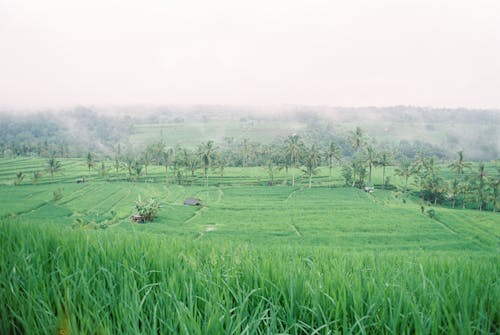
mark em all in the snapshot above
pixel 192 202
pixel 137 218
pixel 80 180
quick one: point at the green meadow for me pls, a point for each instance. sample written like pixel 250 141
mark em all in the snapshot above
pixel 253 259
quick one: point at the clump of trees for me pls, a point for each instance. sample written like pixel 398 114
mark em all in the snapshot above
pixel 147 209
pixel 357 155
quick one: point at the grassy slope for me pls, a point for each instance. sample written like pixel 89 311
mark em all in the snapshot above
pixel 253 259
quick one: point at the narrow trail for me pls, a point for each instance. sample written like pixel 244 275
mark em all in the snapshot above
pixel 445 226
pixel 221 194
pixel 295 229
pixel 197 214
pixel 291 194
pixel 32 209
pixel 291 223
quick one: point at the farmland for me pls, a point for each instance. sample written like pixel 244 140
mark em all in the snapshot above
pixel 253 258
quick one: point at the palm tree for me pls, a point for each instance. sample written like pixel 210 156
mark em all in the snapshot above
pixel 371 160
pixel 464 188
pixel 146 159
pixel 221 161
pixel 481 178
pixel 357 138
pixel 207 152
pixel 312 162
pixel 90 161
pixel 271 169
pixel 404 170
pixel 455 190
pixel 460 165
pixel 137 169
pixel 53 166
pixel 420 162
pixel 36 177
pixel 494 184
pixel 165 158
pixel 117 158
pixel 246 149
pixel 293 152
pixel 384 161
pixel 332 153
pixel 19 178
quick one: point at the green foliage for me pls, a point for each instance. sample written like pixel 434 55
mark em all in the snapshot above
pixel 19 178
pixel 147 209
pixel 57 194
pixel 83 283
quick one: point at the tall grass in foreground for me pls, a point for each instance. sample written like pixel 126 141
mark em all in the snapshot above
pixel 115 283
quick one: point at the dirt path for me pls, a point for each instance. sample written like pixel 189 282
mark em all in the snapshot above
pixel 197 214
pixel 291 223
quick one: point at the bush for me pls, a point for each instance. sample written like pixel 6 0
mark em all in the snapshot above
pixel 147 209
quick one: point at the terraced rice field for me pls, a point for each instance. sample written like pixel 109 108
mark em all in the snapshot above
pixel 252 259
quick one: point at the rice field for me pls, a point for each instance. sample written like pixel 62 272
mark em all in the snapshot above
pixel 253 259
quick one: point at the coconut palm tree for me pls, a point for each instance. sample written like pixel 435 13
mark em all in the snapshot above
pixel 293 151
pixel 332 153
pixel 405 170
pixel 147 158
pixel 221 161
pixel 53 166
pixel 128 163
pixel 460 164
pixel 117 158
pixel 312 162
pixel 137 169
pixel 371 160
pixel 481 183
pixel 494 185
pixel 384 161
pixel 357 138
pixel 90 161
pixel 207 153
pixel 246 151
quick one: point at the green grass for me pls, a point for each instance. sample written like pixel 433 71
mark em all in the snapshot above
pixel 113 283
pixel 253 259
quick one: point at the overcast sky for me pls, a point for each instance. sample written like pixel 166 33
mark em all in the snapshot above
pixel 271 52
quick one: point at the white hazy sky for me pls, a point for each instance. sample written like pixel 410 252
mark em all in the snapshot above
pixel 259 52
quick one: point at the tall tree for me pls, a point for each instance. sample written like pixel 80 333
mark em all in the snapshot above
pixel 246 150
pixel 147 158
pixel 357 138
pixel 53 166
pixel 481 183
pixel 90 161
pixel 332 154
pixel 128 163
pixel 293 151
pixel 312 162
pixel 494 185
pixel 207 152
pixel 384 161
pixel 371 160
pixel 404 170
pixel 117 157
pixel 460 165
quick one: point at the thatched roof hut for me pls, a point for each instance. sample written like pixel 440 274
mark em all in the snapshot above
pixel 192 202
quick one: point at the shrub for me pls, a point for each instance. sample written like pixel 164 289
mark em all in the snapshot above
pixel 147 209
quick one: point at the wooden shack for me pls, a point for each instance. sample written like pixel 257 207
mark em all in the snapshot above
pixel 137 218
pixel 192 202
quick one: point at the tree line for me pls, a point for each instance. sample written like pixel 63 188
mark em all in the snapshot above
pixel 464 186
